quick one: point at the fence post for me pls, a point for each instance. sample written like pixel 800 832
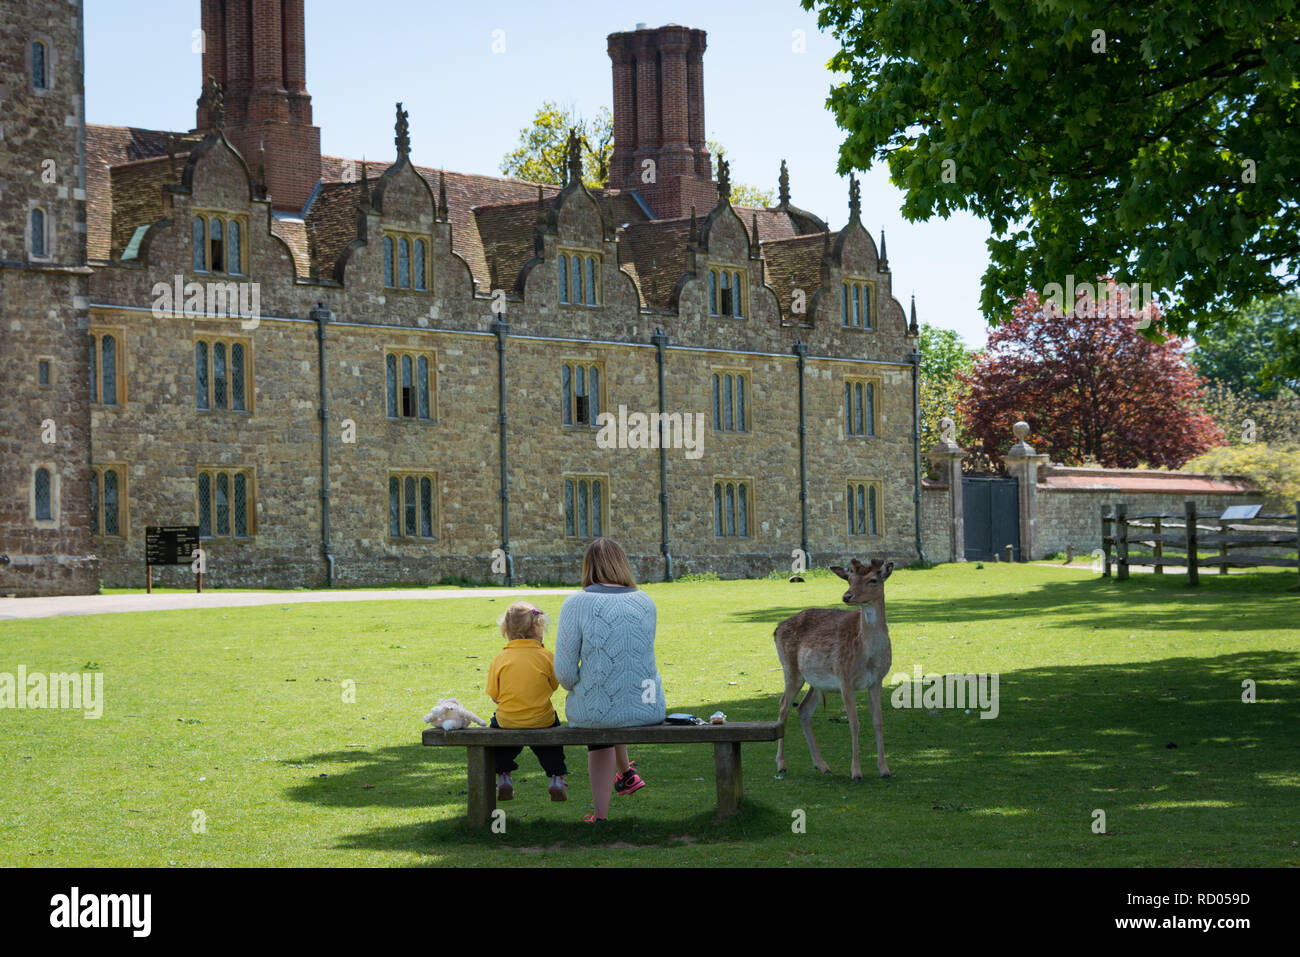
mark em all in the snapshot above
pixel 1158 548
pixel 1121 539
pixel 1223 547
pixel 1189 511
pixel 1106 526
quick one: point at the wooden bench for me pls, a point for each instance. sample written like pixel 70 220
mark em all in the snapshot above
pixel 725 738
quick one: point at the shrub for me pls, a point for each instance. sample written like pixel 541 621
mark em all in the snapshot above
pixel 1275 471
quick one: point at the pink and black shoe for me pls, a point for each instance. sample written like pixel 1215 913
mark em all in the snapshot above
pixel 629 781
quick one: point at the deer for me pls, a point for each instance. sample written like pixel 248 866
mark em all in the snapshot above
pixel 837 650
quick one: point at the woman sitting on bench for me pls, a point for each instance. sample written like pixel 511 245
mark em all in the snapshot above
pixel 605 657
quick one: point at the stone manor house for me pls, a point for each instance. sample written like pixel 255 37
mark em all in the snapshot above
pixel 354 373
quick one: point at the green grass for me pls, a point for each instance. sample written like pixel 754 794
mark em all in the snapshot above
pixel 238 712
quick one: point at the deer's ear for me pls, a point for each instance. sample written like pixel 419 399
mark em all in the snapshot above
pixel 840 571
pixel 889 570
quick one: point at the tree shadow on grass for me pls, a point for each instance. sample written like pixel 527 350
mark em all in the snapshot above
pixel 1219 603
pixel 1158 744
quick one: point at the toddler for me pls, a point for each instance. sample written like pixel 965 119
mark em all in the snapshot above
pixel 520 682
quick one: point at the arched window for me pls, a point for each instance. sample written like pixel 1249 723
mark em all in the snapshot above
pixel 408 395
pixel 422 385
pixel 199 234
pixel 717 509
pixel 717 404
pixel 216 247
pixel 731 509
pixel 591 280
pixel 575 271
pixel 219 379
pixel 39 234
pixel 388 261
pixel 205 505
pixel 426 508
pixel 728 412
pixel 871 511
pixel 108 369
pixel 232 239
pixel 394 506
pixel 569 527
pixel 582 510
pixel 392 385
pixel 737 294
pixel 408 487
pixel 111 519
pixel 404 263
pixel 223 504
pixel 237 376
pixel 740 403
pixel 40 66
pixel 420 281
pixel 566 383
pixel 596 509
pixel 44 508
pixel 201 374
pixel 713 293
pixel 564 278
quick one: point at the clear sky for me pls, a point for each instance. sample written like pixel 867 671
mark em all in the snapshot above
pixel 764 100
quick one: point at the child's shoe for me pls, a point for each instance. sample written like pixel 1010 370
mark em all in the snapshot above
pixel 505 787
pixel 628 782
pixel 558 790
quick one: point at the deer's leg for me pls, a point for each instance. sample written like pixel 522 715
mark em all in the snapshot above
pixel 851 705
pixel 793 682
pixel 806 709
pixel 880 731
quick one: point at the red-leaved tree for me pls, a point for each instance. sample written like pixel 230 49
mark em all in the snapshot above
pixel 1089 385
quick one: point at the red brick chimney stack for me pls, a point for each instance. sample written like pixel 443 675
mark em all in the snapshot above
pixel 256 50
pixel 659 116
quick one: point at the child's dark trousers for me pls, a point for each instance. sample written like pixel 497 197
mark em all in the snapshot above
pixel 550 756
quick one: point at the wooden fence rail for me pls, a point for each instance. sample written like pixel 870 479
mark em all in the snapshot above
pixel 1161 530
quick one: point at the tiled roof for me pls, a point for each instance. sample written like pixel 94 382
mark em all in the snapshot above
pixel 656 253
pixel 493 219
pixel 794 263
pixel 108 146
pixel 1141 480
pixel 138 197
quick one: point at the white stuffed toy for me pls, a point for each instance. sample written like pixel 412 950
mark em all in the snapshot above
pixel 450 715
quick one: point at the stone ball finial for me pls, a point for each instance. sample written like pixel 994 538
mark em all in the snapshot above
pixel 1021 429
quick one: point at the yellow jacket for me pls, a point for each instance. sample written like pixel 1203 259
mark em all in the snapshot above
pixel 521 681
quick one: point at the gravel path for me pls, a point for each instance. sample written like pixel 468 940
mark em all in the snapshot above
pixel 173 601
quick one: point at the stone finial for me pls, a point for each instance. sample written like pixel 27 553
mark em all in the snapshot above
pixel 403 130
pixel 724 179
pixel 753 241
pixel 1021 449
pixel 912 329
pixel 575 157
pixel 855 199
pixel 783 185
pixel 826 243
pixel 442 195
pixel 884 252
pixel 216 106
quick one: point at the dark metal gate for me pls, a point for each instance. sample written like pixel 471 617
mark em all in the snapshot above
pixel 991 510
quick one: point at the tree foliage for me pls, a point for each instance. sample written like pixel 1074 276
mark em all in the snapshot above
pixel 1090 387
pixel 1250 352
pixel 1157 142
pixel 1276 471
pixel 1247 419
pixel 542 155
pixel 943 356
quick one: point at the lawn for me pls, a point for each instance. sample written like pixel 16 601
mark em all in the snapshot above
pixel 1124 697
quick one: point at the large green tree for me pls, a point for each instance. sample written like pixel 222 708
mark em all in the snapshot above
pixel 943 356
pixel 1244 352
pixel 542 155
pixel 1158 142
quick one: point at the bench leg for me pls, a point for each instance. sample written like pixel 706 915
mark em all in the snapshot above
pixel 726 767
pixel 482 787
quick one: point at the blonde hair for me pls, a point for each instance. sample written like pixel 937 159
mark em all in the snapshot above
pixel 605 561
pixel 522 620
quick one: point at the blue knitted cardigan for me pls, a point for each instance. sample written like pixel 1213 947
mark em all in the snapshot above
pixel 605 657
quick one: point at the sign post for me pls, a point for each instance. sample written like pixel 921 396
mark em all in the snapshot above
pixel 172 545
